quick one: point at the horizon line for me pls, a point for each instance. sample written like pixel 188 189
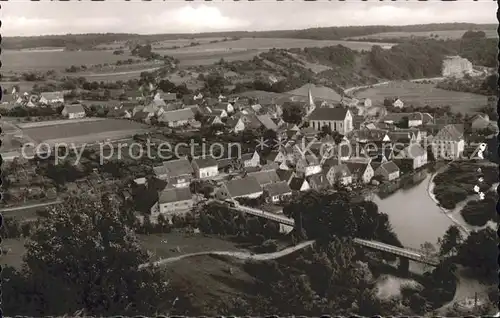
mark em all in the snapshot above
pixel 242 31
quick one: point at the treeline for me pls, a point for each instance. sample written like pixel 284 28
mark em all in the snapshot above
pixel 409 60
pixel 477 85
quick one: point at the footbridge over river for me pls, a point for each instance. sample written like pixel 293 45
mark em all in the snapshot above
pixel 406 252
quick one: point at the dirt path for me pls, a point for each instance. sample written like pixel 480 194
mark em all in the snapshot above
pixel 240 255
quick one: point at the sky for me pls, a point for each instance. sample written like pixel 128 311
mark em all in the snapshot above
pixel 26 18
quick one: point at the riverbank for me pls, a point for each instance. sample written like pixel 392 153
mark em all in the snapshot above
pixel 454 214
pixel 447 213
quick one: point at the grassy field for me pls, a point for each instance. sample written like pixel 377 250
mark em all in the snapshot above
pixel 424 94
pixel 91 130
pixel 12 252
pixel 451 34
pixel 176 244
pixel 24 61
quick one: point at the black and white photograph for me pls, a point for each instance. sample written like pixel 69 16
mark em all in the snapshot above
pixel 249 158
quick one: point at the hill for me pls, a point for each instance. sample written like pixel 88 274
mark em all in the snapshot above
pixel 81 41
pixel 320 92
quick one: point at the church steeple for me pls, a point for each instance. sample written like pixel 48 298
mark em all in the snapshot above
pixel 311 105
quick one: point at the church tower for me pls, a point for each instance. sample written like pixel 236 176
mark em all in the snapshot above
pixel 311 105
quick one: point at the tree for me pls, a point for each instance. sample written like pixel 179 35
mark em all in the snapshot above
pixel 476 253
pixel 474 35
pixel 451 240
pixel 85 257
pixel 293 112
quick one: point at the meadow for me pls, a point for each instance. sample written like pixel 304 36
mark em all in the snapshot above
pixel 25 61
pixel 451 34
pixel 424 94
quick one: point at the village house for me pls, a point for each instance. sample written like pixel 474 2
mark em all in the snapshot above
pixel 224 106
pixel 116 93
pixel 167 97
pixel 360 171
pixel 365 102
pixel 134 95
pixel 286 175
pixel 276 156
pixel 388 171
pixel 205 167
pixel 414 154
pixel 479 122
pixel 308 165
pixel 251 159
pixel 178 118
pixel 338 119
pixel 73 111
pixel 339 173
pixel 265 177
pixel 178 173
pixel 236 125
pixel 448 143
pixel 299 185
pixel 247 187
pixel 51 98
pixel 369 135
pixel 267 122
pixel 212 120
pixel 218 112
pixel 318 181
pixel 172 201
pixel 278 191
pixel 414 119
pixel 398 103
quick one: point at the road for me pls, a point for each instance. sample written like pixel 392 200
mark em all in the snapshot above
pixel 118 73
pixel 30 206
pixel 239 255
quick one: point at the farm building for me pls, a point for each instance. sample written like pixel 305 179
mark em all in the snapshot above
pixel 50 98
pixel 177 118
pixel 73 111
pixel 277 191
pixel 247 187
pixel 172 201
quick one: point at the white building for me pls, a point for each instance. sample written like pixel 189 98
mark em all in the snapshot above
pixel 73 111
pixel 205 167
pixel 448 143
pixel 338 119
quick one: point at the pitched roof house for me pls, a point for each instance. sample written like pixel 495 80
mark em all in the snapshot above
pixel 265 177
pixel 237 188
pixel 277 191
pixel 388 171
pixel 73 111
pixel 51 97
pixel 361 171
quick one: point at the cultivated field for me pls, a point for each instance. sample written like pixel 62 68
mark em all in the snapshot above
pixel 451 34
pixel 424 94
pixel 24 61
pixel 247 48
pixel 84 131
